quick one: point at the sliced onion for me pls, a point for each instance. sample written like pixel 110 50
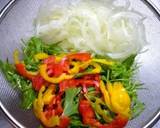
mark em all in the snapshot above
pixel 91 25
pixel 125 34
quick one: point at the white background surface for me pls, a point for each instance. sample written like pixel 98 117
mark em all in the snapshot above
pixel 3 121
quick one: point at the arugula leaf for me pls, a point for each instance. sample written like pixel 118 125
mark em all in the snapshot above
pixel 28 96
pixel 102 57
pixel 32 47
pixel 6 69
pixel 31 64
pixel 86 72
pixel 52 49
pixel 18 82
pixel 71 101
pixel 76 122
pixel 128 63
pixel 36 45
pixel 137 108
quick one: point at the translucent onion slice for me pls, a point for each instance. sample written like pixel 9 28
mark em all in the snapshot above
pixel 97 26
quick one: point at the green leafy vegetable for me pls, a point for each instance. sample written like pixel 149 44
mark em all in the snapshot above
pixel 86 72
pixel 137 108
pixel 52 49
pixel 129 61
pixel 76 122
pixel 36 45
pixel 125 72
pixel 28 96
pixel 71 101
pixel 24 86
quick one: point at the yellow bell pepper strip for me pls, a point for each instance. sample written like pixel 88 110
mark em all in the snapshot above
pixel 120 100
pixel 109 87
pixel 51 122
pixel 97 107
pixel 97 68
pixel 85 64
pixel 77 66
pixel 75 69
pixel 103 61
pixel 41 56
pixel 48 94
pixel 116 98
pixel 32 73
pixel 38 106
pixel 101 111
pixel 60 57
pixel 43 73
pixel 105 94
pixel 38 103
pixel 16 56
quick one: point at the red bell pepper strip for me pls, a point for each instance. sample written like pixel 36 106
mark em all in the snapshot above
pixel 89 118
pixel 59 109
pixel 49 60
pixel 54 108
pixel 49 113
pixel 65 64
pixel 21 69
pixel 64 122
pixel 56 105
pixel 37 82
pixel 92 77
pixel 79 56
pixel 67 84
pixel 118 122
pixel 78 82
pixel 85 81
pixel 54 68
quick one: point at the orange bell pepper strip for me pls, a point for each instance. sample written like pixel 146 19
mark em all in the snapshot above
pixel 118 122
pixel 20 67
pixel 89 117
pixel 79 56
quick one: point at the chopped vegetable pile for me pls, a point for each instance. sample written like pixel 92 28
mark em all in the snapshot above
pixel 73 88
